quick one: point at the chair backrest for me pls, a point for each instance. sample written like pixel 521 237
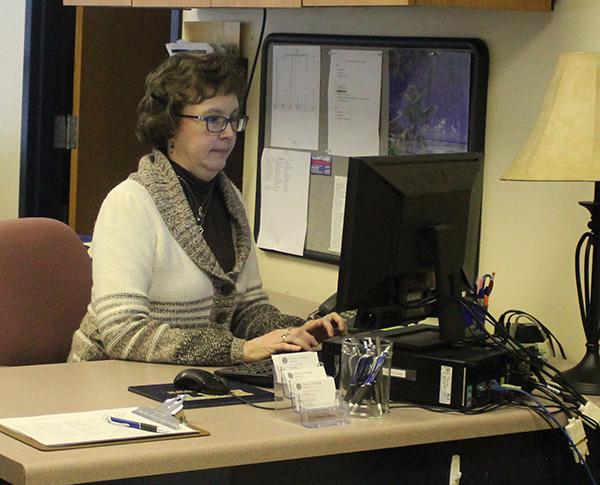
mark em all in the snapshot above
pixel 45 287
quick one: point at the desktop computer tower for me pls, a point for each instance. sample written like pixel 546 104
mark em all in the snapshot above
pixel 455 377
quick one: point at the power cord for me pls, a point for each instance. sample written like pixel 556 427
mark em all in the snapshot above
pixel 250 403
pixel 577 445
pixel 480 410
pixel 546 380
pixel 257 406
pixel 510 317
pixel 539 367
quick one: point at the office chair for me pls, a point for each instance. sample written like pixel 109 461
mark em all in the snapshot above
pixel 45 286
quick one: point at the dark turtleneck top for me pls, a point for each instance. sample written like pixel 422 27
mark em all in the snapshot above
pixel 217 222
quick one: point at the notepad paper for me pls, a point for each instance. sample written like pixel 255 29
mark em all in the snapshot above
pixel 60 430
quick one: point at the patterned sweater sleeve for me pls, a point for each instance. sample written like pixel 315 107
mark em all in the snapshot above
pixel 123 321
pixel 254 315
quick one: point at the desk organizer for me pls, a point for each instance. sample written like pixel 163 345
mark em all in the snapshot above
pixel 281 396
pixel 284 402
pixel 366 376
pixel 337 415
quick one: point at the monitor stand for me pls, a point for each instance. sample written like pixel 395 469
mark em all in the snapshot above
pixel 420 337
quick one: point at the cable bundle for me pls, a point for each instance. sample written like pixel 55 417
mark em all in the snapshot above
pixel 535 383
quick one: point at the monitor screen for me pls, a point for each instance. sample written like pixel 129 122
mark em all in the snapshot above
pixel 410 242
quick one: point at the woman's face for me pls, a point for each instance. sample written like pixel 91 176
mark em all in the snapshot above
pixel 194 147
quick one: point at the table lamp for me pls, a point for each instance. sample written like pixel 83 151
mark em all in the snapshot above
pixel 565 146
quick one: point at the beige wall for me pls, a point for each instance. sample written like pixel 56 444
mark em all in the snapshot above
pixel 12 24
pixel 529 229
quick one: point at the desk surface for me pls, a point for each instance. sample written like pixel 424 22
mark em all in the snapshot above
pixel 239 434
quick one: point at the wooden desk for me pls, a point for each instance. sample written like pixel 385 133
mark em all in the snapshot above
pixel 240 435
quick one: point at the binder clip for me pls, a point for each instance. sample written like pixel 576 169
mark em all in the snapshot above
pixel 169 413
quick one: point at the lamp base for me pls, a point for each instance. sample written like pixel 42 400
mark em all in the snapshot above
pixel 585 376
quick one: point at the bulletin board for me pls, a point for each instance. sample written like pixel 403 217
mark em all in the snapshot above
pixel 326 98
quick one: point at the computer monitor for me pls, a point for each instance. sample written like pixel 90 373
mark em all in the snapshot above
pixel 410 241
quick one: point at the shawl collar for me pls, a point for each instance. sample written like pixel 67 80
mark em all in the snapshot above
pixel 157 176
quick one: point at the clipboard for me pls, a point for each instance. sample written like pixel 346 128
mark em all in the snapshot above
pixel 98 434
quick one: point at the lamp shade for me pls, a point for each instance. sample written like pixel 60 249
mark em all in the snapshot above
pixel 565 142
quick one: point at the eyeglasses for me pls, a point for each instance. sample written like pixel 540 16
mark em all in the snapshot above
pixel 217 123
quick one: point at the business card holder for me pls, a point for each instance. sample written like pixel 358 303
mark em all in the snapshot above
pixel 289 406
pixel 320 417
pixel 281 391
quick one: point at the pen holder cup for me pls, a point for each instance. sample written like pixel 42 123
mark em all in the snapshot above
pixel 365 376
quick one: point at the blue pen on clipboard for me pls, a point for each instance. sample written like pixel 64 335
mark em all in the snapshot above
pixel 137 425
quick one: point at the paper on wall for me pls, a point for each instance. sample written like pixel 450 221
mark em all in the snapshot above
pixel 295 97
pixel 337 214
pixel 354 102
pixel 284 187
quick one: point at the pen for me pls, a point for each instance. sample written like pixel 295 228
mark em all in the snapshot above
pixel 490 286
pixel 359 374
pixel 360 394
pixel 478 286
pixel 137 425
pixel 378 382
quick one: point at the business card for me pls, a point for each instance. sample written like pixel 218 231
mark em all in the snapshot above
pixel 315 393
pixel 294 360
pixel 292 376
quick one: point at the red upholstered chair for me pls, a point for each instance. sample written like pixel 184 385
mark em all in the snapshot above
pixel 45 286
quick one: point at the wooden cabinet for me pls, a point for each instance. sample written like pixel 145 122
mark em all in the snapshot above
pixel 93 3
pixel 115 48
pixel 532 5
pixel 356 3
pixel 537 5
pixel 257 3
pixel 195 3
pixel 171 3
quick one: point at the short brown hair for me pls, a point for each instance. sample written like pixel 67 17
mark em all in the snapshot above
pixel 182 79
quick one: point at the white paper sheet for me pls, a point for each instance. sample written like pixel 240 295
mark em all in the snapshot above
pixel 337 214
pixel 295 97
pixel 85 427
pixel 284 186
pixel 184 46
pixel 354 102
pixel 315 393
pixel 295 360
pixel 293 377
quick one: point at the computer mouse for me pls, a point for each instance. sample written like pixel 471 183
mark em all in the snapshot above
pixel 200 380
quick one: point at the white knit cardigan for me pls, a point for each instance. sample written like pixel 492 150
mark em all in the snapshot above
pixel 159 294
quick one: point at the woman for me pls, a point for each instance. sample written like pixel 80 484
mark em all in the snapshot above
pixel 175 276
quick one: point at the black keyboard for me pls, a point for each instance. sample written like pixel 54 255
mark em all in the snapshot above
pixel 255 373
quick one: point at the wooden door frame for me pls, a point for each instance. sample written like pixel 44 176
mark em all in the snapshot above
pixel 48 69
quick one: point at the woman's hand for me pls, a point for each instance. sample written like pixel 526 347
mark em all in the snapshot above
pixel 291 339
pixel 326 327
pixel 294 339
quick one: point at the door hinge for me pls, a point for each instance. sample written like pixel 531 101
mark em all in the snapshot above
pixel 65 131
